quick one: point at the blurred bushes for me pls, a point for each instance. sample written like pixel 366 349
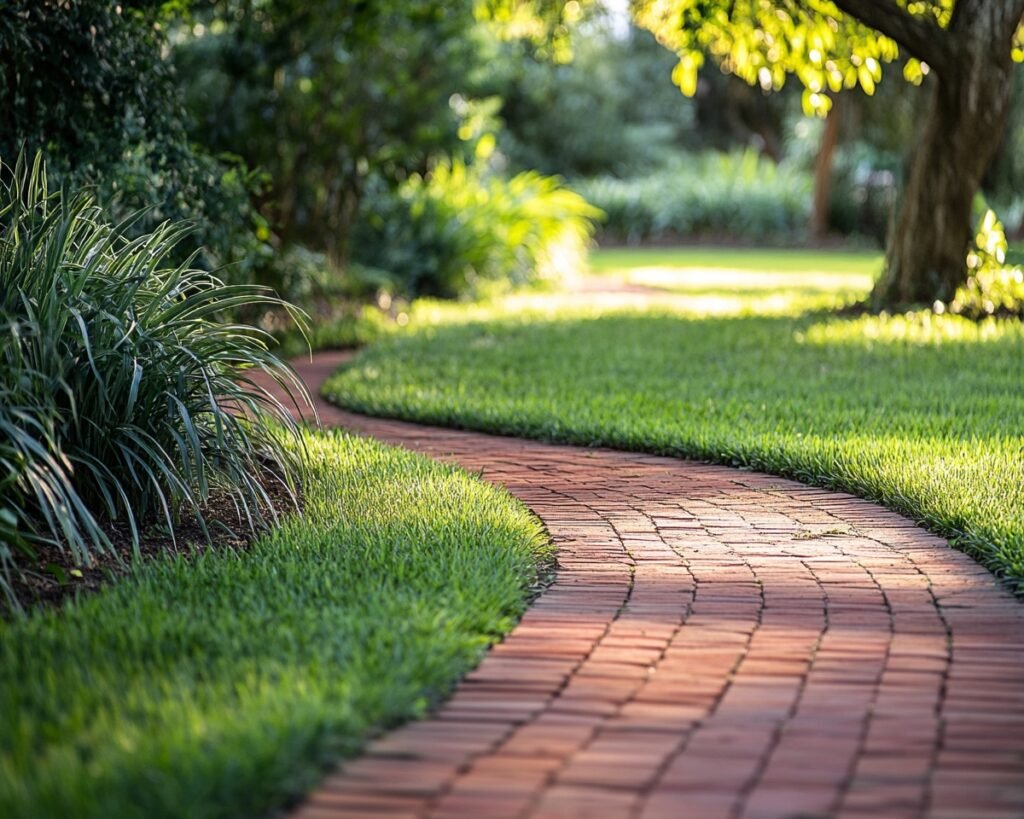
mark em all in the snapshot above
pixel 460 230
pixel 358 115
pixel 611 110
pixel 326 97
pixel 740 195
pixel 88 84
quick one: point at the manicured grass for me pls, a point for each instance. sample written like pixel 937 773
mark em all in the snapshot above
pixel 218 686
pixel 754 259
pixel 923 413
pixel 765 281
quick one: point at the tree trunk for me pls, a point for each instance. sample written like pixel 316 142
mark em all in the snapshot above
pixel 823 172
pixel 927 246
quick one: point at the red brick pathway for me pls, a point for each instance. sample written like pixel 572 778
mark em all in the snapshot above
pixel 717 643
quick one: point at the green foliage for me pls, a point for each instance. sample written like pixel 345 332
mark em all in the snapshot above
pixel 340 325
pixel 334 99
pixel 611 110
pixel 740 195
pixel 220 685
pixel 863 191
pixel 161 180
pixel 868 160
pixel 545 24
pixel 919 412
pixel 124 391
pixel 86 83
pixel 75 75
pixel 993 287
pixel 763 42
pixel 458 230
pixel 323 96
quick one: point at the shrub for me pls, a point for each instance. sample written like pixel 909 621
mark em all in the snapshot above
pixel 740 195
pixel 88 83
pixel 123 396
pixel 863 191
pixel 994 286
pixel 458 230
pixel 610 109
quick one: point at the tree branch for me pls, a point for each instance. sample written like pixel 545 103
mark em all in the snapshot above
pixel 922 38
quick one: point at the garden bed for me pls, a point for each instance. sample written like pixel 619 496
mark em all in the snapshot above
pixel 222 684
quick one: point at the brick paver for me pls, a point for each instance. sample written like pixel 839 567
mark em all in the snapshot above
pixel 716 643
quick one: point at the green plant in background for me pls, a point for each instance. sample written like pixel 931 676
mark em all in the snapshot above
pixel 88 83
pixel 459 230
pixel 610 110
pixel 994 287
pixel 325 98
pixel 735 195
pixel 126 394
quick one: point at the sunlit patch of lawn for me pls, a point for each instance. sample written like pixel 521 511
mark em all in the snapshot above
pixel 219 686
pixel 724 281
pixel 923 413
pixel 829 263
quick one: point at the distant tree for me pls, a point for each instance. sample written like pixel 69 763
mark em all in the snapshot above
pixel 608 110
pixel 326 96
pixel 968 46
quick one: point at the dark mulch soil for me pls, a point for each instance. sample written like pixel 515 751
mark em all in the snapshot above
pixel 54 577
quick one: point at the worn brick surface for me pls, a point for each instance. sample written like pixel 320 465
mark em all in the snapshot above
pixel 716 643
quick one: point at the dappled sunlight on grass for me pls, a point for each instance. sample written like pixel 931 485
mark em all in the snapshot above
pixel 704 280
pixel 721 292
pixel 744 281
pixel 923 327
pixel 691 282
pixel 831 263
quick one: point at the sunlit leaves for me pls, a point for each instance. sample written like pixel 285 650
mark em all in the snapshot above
pixel 914 71
pixel 993 286
pixel 685 73
pixel 546 23
pixel 764 42
pixel 460 230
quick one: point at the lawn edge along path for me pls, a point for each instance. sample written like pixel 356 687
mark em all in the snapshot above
pixel 716 643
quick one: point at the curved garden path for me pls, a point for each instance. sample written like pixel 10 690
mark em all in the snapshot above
pixel 716 643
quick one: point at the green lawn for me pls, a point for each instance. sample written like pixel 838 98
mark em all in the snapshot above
pixel 923 413
pixel 219 687
pixel 745 281
pixel 754 259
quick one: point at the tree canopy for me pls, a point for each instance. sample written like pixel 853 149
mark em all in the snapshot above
pixel 827 46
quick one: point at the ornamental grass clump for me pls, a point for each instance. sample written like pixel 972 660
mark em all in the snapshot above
pixel 125 392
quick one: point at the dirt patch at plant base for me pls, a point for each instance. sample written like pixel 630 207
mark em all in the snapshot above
pixel 54 576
